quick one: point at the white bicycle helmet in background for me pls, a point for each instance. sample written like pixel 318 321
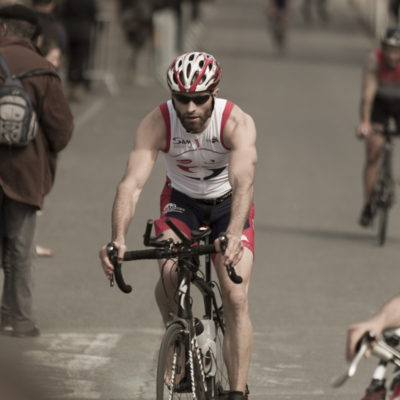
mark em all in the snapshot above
pixel 391 36
pixel 193 72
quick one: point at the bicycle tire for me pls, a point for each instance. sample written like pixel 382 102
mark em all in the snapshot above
pixel 385 197
pixel 174 341
pixel 383 213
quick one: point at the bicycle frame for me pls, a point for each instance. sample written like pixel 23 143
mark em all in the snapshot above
pixel 188 277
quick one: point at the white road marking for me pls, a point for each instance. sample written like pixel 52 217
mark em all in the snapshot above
pixel 77 357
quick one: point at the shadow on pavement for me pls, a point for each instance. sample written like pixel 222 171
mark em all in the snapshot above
pixel 368 237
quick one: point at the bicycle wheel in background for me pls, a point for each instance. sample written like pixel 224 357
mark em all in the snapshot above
pixel 385 197
pixel 174 379
pixel 382 217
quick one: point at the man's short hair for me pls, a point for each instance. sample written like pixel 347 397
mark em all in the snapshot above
pixel 20 20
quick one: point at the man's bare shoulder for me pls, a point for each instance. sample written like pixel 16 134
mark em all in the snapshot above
pixel 239 125
pixel 152 130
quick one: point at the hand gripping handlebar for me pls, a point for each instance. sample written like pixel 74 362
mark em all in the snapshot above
pixel 223 240
pixel 379 348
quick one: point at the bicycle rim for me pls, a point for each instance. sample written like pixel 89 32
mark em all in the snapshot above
pixel 382 224
pixel 175 380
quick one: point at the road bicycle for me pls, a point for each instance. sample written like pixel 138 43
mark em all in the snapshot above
pixel 388 354
pixel 383 194
pixel 190 361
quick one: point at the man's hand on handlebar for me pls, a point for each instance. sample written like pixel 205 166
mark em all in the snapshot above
pixel 363 130
pixel 355 332
pixel 105 261
pixel 234 250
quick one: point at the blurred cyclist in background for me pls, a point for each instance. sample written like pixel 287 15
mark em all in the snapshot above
pixel 380 101
pixel 278 17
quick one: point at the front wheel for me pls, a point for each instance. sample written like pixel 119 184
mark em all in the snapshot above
pixel 179 374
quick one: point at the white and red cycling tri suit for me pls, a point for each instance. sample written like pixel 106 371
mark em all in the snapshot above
pixel 198 191
pixel 197 164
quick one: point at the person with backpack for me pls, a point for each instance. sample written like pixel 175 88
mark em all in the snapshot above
pixel 31 136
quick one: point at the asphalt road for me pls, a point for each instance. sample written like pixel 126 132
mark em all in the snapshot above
pixel 316 270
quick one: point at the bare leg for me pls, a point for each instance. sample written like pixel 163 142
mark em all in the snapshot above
pixel 165 292
pixel 166 286
pixel 374 145
pixel 238 340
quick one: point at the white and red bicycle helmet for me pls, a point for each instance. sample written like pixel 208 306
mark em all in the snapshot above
pixel 193 72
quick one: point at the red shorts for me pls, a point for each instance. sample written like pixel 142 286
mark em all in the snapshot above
pixel 190 214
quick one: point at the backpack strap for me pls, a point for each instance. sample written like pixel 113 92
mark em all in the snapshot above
pixel 26 74
pixel 36 72
pixel 4 66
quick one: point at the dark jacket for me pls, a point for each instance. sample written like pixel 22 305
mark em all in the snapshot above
pixel 27 174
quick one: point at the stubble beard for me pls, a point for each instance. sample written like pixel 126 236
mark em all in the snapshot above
pixel 194 126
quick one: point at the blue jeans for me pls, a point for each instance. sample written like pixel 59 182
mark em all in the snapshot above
pixel 18 222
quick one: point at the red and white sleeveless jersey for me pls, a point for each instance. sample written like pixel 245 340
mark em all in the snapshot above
pixel 197 163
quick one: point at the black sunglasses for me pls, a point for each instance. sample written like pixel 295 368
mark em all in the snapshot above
pixel 198 100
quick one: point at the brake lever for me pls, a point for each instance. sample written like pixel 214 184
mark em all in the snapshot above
pixel 362 347
pixel 235 278
pixel 112 253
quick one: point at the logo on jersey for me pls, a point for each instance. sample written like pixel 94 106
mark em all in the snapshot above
pixel 172 207
pixel 214 172
pixel 179 141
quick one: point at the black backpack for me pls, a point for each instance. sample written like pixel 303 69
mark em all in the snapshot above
pixel 18 120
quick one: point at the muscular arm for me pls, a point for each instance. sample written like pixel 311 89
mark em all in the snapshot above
pixel 150 139
pixel 240 137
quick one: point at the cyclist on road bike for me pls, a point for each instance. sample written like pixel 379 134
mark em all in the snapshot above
pixel 209 149
pixel 388 317
pixel 380 101
pixel 278 15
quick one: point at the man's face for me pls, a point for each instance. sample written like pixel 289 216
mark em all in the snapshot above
pixel 391 55
pixel 193 109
